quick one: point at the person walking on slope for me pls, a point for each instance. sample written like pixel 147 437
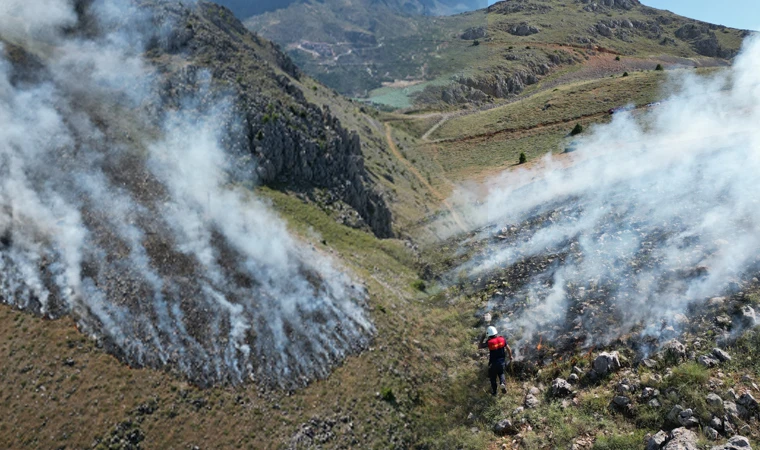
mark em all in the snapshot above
pixel 498 349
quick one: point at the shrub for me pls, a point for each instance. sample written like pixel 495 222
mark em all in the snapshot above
pixel 475 42
pixel 577 130
pixel 617 58
pixel 419 285
pixel 387 394
pixel 523 158
pixel 659 67
pixel 625 74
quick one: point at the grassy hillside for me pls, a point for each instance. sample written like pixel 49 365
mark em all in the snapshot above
pixel 351 50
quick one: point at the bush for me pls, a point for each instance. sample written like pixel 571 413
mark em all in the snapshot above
pixel 625 74
pixel 387 394
pixel 523 158
pixel 659 67
pixel 419 285
pixel 577 130
pixel 617 58
pixel 475 43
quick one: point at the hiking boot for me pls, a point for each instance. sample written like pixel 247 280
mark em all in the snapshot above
pixel 493 393
pixel 503 388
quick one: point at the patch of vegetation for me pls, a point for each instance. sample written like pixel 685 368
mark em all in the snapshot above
pixel 419 285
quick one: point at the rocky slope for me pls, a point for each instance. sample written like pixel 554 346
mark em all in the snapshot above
pixel 294 142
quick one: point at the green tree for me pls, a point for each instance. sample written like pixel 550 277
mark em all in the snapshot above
pixel 523 158
pixel 625 74
pixel 617 58
pixel 577 130
pixel 659 67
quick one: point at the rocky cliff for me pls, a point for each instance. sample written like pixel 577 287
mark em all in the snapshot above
pixel 293 142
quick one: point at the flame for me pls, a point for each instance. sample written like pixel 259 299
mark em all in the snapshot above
pixel 538 347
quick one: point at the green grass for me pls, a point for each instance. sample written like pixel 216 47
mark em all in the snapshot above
pixel 568 103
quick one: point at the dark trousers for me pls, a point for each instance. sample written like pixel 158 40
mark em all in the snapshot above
pixel 496 369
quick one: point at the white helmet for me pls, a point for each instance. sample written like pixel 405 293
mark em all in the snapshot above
pixel 491 331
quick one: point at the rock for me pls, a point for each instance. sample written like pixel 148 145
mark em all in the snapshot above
pixel 721 355
pixel 674 414
pixel 523 29
pixel 747 316
pixel 748 401
pixel 682 439
pixel 654 403
pixel 674 349
pixel 517 411
pixel 621 401
pixel 708 361
pixel 573 378
pixel 606 363
pixel 735 443
pixel 649 363
pixel 657 441
pixel 731 394
pixel 561 388
pixel 731 410
pixel 648 393
pixel 474 33
pixel 714 400
pixel 531 401
pixel 716 423
pixel 504 427
pixel 710 433
pixel 687 420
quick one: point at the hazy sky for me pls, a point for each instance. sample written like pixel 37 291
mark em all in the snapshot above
pixel 733 13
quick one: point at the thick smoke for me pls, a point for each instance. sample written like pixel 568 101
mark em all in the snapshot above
pixel 136 223
pixel 660 211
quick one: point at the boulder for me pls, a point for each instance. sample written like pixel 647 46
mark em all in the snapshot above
pixel 657 441
pixel 735 443
pixel 714 400
pixel 708 361
pixel 674 349
pixel 621 401
pixel 747 316
pixel 674 414
pixel 606 363
pixel 531 401
pixel 474 33
pixel 504 427
pixel 561 388
pixel 682 439
pixel 710 433
pixel 573 378
pixel 721 355
pixel 748 401
pixel 687 420
pixel 523 29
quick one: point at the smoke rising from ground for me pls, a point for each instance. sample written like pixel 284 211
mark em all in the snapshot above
pixel 662 211
pixel 134 222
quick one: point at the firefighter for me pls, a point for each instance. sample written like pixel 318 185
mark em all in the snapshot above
pixel 498 349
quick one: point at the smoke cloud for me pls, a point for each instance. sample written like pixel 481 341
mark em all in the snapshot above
pixel 659 213
pixel 135 222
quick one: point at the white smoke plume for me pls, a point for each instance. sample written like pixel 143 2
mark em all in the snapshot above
pixel 661 212
pixel 134 224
